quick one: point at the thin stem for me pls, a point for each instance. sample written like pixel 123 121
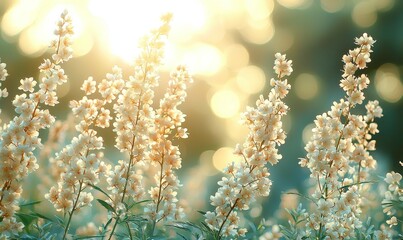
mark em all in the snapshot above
pixel 226 217
pixel 130 232
pixel 72 211
pixel 130 161
pixel 124 189
pixel 319 232
pixel 159 193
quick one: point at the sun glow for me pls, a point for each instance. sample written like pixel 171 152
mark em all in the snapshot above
pixel 116 26
pixel 124 22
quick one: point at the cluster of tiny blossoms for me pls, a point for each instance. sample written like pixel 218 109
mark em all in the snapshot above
pixel 249 179
pixel 134 119
pixel 20 137
pixel 163 153
pixel 393 201
pixel 80 163
pixel 3 76
pixel 338 152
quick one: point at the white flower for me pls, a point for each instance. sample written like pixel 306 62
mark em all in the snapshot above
pixel 392 221
pixel 27 84
pixel 282 67
pixel 89 86
pixel 249 179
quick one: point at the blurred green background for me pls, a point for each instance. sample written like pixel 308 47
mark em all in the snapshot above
pixel 229 45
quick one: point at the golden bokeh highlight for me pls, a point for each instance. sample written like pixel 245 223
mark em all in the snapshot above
pixel 34 35
pixel 384 5
pixel 241 131
pixel 306 86
pixel 137 17
pixel 388 84
pixel 332 6
pixel 287 123
pixel 256 210
pixel 259 9
pixel 364 14
pixel 204 59
pixel 258 31
pixel 225 103
pixel 250 79
pixel 83 44
pixel 295 3
pixel 30 43
pixel 206 162
pixel 17 17
pixel 122 40
pixel 307 133
pixel 64 89
pixel 236 56
pixel 283 40
pixel 224 156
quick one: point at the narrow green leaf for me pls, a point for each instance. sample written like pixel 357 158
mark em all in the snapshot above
pixel 137 203
pixel 201 212
pixel 42 216
pixel 60 220
pixel 25 218
pixel 29 203
pixel 206 226
pixel 106 205
pixel 301 195
pixel 179 227
pixel 352 184
pixel 89 237
pixel 182 236
pixel 99 189
pixel 107 223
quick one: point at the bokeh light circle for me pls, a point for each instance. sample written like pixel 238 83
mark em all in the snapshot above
pixel 225 103
pixel 306 86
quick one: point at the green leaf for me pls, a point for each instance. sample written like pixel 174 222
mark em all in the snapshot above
pixel 60 221
pixel 301 195
pixel 136 203
pixel 99 189
pixel 25 218
pixel 89 237
pixel 106 205
pixel 182 236
pixel 41 216
pixel 29 203
pixel 107 223
pixel 206 226
pixel 201 212
pixel 179 226
pixel 350 185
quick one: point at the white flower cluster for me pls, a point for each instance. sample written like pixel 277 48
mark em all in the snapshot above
pixel 145 133
pixel 338 152
pixel 20 137
pixel 165 155
pixel 62 45
pixel 134 117
pixel 78 164
pixel 249 179
pixel 393 200
pixel 3 76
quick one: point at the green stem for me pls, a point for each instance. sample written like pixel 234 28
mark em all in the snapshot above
pixel 72 211
pixel 226 217
pixel 130 163
pixel 159 194
pixel 124 191
pixel 128 229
